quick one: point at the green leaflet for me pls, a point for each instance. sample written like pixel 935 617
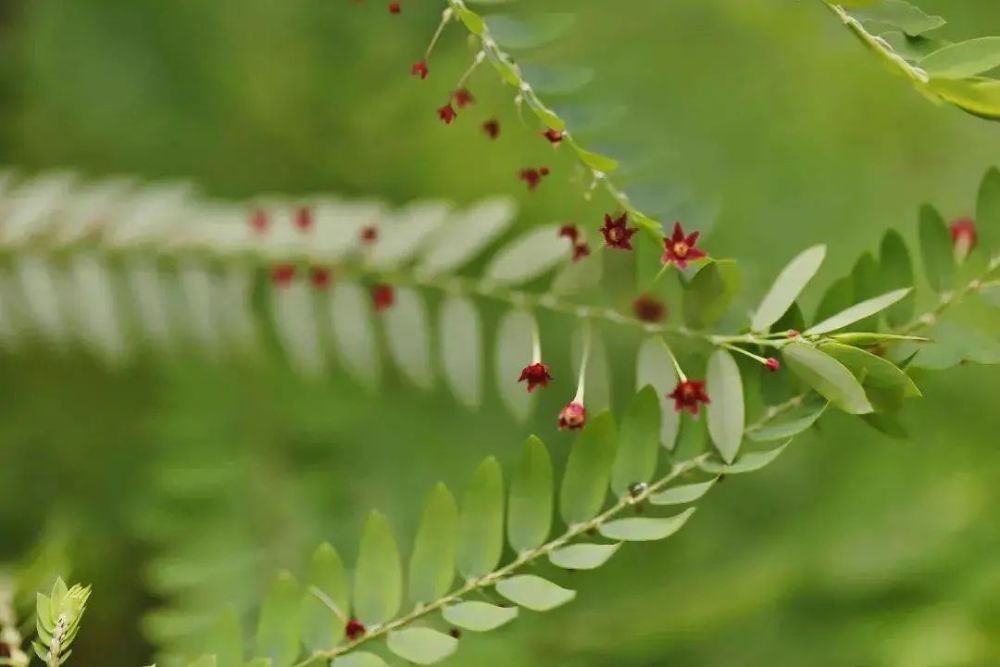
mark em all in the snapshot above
pixel 596 161
pixel 746 462
pixel 655 368
pixel 896 271
pixel 480 524
pixel 529 508
pixel 534 593
pixel 870 369
pixel 204 661
pixel 588 470
pixel 478 616
pixel 513 351
pixel 279 626
pixel 529 256
pixel 645 529
pixel 838 296
pixel 901 15
pixel 978 96
pixel 556 80
pixel 710 293
pixel 827 376
pixel 322 627
pixel 583 556
pixel 988 212
pixel 725 414
pixel 359 659
pixel 473 21
pixel 859 311
pixel 639 442
pixel 865 276
pixel 461 349
pixel 432 564
pixel 528 32
pixel 421 646
pixel 467 233
pixel 787 287
pixel 963 59
pixel 378 574
pixel 226 640
pixel 935 249
pixel 683 494
pixel 789 427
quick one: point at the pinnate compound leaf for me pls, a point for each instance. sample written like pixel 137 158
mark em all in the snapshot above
pixel 378 575
pixel 935 249
pixel 963 59
pixel 638 442
pixel 359 659
pixel 478 616
pixel 278 626
pixel 432 564
pixel 529 509
pixel 406 232
pixel 583 556
pixel 860 311
pixel 480 523
pixel 534 593
pixel 828 377
pixel 645 529
pixel 421 646
pixel 529 256
pixel 654 368
pixel 745 462
pixel 461 349
pixel 683 494
pixel 787 287
pixel 322 627
pixel 726 416
pixel 588 470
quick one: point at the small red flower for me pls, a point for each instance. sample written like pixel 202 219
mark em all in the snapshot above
pixel 572 417
pixel 369 234
pixel 680 249
pixel 304 218
pixel 394 8
pixel 447 114
pixel 420 69
pixel 259 221
pixel 570 231
pixel 793 333
pixel 533 176
pixel 964 237
pixel 544 171
pixel 492 128
pixel 354 629
pixel 772 364
pixel 282 275
pixel 688 394
pixel 463 98
pixel 383 296
pixel 617 233
pixel 319 277
pixel 554 136
pixel 580 250
pixel 535 374
pixel 649 309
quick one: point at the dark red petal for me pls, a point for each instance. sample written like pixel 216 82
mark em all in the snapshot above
pixel 692 238
pixel 678 233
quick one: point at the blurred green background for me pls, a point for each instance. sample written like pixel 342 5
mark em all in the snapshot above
pixel 853 549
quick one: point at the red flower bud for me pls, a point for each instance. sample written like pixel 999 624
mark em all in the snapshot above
pixel 533 176
pixel 964 238
pixel 649 309
pixel 354 629
pixel 535 374
pixel 570 232
pixel 447 114
pixel 793 333
pixel 572 417
pixel 554 136
pixel 383 296
pixel 394 8
pixel 544 171
pixel 282 275
pixel 319 277
pixel 304 218
pixel 463 98
pixel 580 250
pixel 259 221
pixel 492 128
pixel 772 364
pixel 420 69
pixel 369 234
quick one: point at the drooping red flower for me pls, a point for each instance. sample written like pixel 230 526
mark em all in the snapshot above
pixel 259 221
pixel 304 218
pixel 680 249
pixel 772 364
pixel 964 238
pixel 383 296
pixel 533 177
pixel 369 234
pixel 492 128
pixel 354 629
pixel 688 394
pixel 554 136
pixel 580 250
pixel 649 309
pixel 463 98
pixel 282 275
pixel 394 8
pixel 447 114
pixel 617 233
pixel 319 277
pixel 570 231
pixel 420 69
pixel 535 374
pixel 572 417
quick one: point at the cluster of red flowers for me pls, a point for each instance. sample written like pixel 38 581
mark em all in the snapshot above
pixel 580 248
pixel 533 177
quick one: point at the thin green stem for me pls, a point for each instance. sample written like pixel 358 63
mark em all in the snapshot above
pixel 948 300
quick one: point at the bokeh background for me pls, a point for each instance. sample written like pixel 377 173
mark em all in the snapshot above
pixel 762 119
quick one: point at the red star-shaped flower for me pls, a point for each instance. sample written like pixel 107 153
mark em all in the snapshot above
pixel 354 629
pixel 395 8
pixel 304 218
pixel 492 128
pixel 447 114
pixel 369 234
pixel 420 69
pixel 282 275
pixel 688 394
pixel 572 417
pixel 964 237
pixel 535 374
pixel 649 309
pixel 554 136
pixel 463 98
pixel 580 250
pixel 680 249
pixel 617 233
pixel 383 296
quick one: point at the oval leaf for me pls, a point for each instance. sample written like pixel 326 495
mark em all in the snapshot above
pixel 378 574
pixel 353 334
pixel 478 616
pixel 583 556
pixel 513 353
pixel 466 234
pixel 529 510
pixel 963 59
pixel 534 593
pixel 726 418
pixel 461 349
pixel 326 584
pixel 746 462
pixel 644 529
pixel 859 312
pixel 682 495
pixel 480 526
pixel 789 284
pixel 422 646
pixel 529 256
pixel 528 32
pixel 278 625
pixel 226 640
pixel 638 443
pixel 407 334
pixel 896 271
pixel 786 429
pixel 588 470
pixel 988 212
pixel 936 249
pixel 432 564
pixel 872 370
pixel 359 659
pixel 828 377
pixel 655 368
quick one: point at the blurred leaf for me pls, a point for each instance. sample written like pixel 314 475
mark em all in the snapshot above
pixel 683 494
pixel 478 616
pixel 323 628
pixel 746 462
pixel 226 640
pixel 406 232
pixel 432 564
pixel 528 32
pixel 963 59
pixel 350 320
pixel 639 442
pixel 827 376
pixel 654 368
pixel 954 343
pixel 378 574
pixel 726 417
pixel 407 334
pixel 866 286
pixel 466 234
pixel 556 80
pixel 279 624
pixel 988 212
pixel 901 15
pixel 912 47
pixel 896 271
pixel 473 21
pixel 936 250
pixel 530 506
pixel 596 161
pixel 204 661
pixel 787 287
pixel 780 430
pixel 978 96
pixel 513 353
pixel 859 311
pixel 422 646
pixel 870 369
pixel 643 529
pixel 533 592
pixel 583 556
pixel 588 470
pixel 359 659
pixel 710 293
pixel 480 532
pixel 529 256
pixel 838 297
pixel 461 349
